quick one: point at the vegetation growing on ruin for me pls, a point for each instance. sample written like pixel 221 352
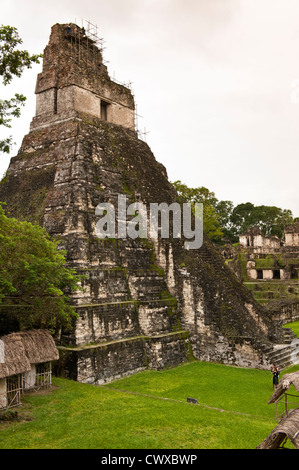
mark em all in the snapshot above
pixel 294 327
pixel 243 263
pixel 27 193
pixel 265 263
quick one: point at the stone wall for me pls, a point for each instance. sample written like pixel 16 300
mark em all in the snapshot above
pixel 223 322
pixel 74 79
pixel 104 362
pixel 260 243
pixel 284 311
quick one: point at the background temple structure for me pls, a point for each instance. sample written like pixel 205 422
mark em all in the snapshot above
pixel 268 265
pixel 147 303
pixel 269 257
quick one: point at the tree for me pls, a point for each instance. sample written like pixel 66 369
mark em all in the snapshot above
pixel 270 219
pixel 211 225
pixel 34 279
pixel 224 211
pixel 242 218
pixel 12 63
pixel 222 222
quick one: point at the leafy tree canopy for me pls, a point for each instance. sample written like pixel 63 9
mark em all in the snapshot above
pixel 12 63
pixel 224 223
pixel 211 224
pixel 270 219
pixel 34 279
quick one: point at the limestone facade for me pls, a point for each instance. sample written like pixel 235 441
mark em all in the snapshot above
pixel 270 258
pixel 74 79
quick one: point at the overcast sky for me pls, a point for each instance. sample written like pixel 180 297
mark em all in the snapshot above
pixel 215 81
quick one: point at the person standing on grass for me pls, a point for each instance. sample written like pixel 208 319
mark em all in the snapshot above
pixel 275 374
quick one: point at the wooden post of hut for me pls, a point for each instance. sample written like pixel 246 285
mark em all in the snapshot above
pixel 288 427
pixel 41 351
pixel 13 367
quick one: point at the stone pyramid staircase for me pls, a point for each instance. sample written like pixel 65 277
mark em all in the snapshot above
pixel 285 354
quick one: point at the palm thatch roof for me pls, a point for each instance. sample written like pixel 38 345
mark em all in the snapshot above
pixel 16 361
pixel 24 348
pixel 287 428
pixel 39 346
pixel 285 383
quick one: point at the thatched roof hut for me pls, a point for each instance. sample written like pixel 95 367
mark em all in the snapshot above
pixel 287 428
pixel 24 348
pixel 39 346
pixel 285 383
pixel 16 361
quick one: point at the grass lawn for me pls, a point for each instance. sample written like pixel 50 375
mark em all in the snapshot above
pixel 294 326
pixel 149 411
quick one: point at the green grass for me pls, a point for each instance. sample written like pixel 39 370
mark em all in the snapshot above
pixel 214 385
pixel 149 411
pixel 265 263
pixel 294 327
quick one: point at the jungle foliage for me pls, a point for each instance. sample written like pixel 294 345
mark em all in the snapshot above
pixel 34 279
pixel 223 222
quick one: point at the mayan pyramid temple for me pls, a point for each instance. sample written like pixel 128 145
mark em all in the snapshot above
pixel 146 303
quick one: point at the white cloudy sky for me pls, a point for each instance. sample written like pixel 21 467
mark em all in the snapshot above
pixel 215 81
